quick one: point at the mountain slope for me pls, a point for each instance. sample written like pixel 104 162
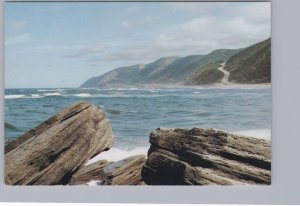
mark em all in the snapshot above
pixel 248 65
pixel 208 74
pixel 168 70
pixel 252 64
pixel 131 75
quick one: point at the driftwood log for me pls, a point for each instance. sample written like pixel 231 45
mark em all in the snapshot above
pixel 206 156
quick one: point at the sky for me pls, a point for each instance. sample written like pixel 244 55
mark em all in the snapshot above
pixel 61 45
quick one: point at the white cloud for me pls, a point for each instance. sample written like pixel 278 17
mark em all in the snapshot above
pixel 212 26
pixel 19 25
pixel 233 27
pixel 258 13
pixel 197 36
pixel 17 39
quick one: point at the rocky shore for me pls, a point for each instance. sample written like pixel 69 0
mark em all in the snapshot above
pixel 56 152
pixel 206 156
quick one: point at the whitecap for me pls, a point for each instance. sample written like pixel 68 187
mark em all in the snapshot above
pixel 52 94
pixel 15 96
pixel 35 96
pixel 82 95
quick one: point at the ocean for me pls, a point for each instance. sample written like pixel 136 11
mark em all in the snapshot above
pixel 134 113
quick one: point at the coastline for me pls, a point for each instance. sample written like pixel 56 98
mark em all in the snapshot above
pixel 182 86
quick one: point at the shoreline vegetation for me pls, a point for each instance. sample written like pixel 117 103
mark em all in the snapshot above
pixel 57 151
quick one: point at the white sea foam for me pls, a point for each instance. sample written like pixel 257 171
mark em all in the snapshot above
pixel 15 96
pixel 116 154
pixel 82 95
pixel 94 183
pixel 260 133
pixel 52 94
pixel 34 96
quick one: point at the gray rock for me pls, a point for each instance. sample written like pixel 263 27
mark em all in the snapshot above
pixel 206 156
pixel 53 151
pixel 88 173
pixel 124 172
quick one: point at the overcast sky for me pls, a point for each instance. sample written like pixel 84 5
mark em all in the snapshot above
pixel 64 44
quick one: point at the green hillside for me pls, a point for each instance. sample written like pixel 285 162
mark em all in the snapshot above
pixel 248 65
pixel 251 65
pixel 207 75
pixel 163 71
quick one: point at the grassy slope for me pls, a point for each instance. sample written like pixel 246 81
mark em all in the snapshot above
pixel 184 68
pixel 251 65
pixel 165 70
pixel 207 75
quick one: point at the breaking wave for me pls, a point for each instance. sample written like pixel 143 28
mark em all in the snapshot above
pixel 116 154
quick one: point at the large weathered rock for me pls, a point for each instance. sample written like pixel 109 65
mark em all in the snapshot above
pixel 50 153
pixel 89 173
pixel 124 172
pixel 206 156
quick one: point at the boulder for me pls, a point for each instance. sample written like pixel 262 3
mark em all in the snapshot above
pixel 124 172
pixel 89 173
pixel 53 151
pixel 205 157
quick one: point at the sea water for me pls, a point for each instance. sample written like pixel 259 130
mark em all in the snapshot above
pixel 134 113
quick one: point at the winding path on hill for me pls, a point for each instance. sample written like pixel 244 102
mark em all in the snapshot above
pixel 225 78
